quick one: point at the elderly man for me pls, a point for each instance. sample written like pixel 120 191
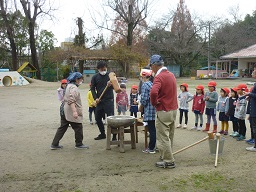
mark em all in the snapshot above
pixel 163 96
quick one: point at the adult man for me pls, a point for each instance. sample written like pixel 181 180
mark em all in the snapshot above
pixel 163 96
pixel 106 104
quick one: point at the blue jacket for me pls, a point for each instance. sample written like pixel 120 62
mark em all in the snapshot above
pixel 252 106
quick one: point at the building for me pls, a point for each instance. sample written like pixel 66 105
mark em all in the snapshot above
pixel 246 59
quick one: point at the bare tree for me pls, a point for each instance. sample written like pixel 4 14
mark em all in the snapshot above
pixel 32 15
pixel 10 33
pixel 131 12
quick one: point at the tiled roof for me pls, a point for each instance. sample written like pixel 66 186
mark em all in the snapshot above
pixel 249 52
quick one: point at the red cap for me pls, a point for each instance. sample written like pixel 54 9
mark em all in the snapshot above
pixel 185 85
pixel 201 87
pixel 212 84
pixel 135 87
pixel 64 81
pixel 242 87
pixel 226 90
pixel 234 89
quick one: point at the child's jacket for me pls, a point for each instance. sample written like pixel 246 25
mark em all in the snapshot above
pixel 90 99
pixel 122 99
pixel 240 111
pixel 223 104
pixel 252 106
pixel 211 103
pixel 198 103
pixel 232 106
pixel 184 98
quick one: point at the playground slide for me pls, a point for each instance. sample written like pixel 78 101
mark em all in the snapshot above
pixel 11 78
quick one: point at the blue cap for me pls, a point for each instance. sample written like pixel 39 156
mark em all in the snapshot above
pixel 156 60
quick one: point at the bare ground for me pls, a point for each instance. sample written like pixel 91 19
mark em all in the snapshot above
pixel 29 117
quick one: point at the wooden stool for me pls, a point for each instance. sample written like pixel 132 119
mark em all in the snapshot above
pixel 121 131
pixel 139 122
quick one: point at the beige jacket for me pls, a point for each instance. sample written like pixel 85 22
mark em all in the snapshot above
pixel 72 95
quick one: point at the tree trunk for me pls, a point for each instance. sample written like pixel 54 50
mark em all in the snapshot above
pixel 33 49
pixel 14 54
pixel 10 35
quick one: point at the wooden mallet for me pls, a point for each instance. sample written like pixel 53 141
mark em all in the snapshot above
pixel 210 136
pixel 217 149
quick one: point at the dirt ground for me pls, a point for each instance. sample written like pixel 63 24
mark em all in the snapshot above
pixel 29 117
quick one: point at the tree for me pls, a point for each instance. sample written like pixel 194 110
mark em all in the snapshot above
pixel 182 44
pixel 132 12
pixel 31 16
pixel 10 33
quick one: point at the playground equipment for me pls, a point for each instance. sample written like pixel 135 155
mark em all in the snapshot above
pixel 11 78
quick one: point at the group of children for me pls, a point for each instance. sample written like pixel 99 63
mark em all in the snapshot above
pixel 231 105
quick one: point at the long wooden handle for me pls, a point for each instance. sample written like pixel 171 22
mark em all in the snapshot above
pixel 101 95
pixel 191 145
pixel 217 149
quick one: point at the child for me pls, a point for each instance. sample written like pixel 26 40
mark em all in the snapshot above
pixel 150 112
pixel 222 107
pixel 184 97
pixel 198 107
pixel 60 90
pixel 91 104
pixel 122 100
pixel 252 107
pixel 248 111
pixel 134 101
pixel 240 111
pixel 231 111
pixel 211 98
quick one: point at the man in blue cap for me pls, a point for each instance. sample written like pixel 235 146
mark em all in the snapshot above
pixel 163 96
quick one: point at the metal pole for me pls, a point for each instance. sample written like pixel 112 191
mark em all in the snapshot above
pixel 209 39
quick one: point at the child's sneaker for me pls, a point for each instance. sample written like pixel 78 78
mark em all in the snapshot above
pixel 194 128
pixel 251 149
pixel 221 132
pixel 232 134
pixel 91 123
pixel 179 126
pixel 225 132
pixel 236 134
pixel 199 128
pixel 149 151
pixel 241 138
pixel 185 126
pixel 251 142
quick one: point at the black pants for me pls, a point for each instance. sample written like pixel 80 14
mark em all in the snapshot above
pixel 235 126
pixel 241 127
pixel 77 127
pixel 104 107
pixel 152 135
pixel 186 116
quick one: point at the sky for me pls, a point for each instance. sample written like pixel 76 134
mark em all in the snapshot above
pixel 64 24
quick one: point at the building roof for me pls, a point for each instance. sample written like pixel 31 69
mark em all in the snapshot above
pixel 249 52
pixel 24 65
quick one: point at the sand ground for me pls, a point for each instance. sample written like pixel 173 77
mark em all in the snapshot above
pixel 29 117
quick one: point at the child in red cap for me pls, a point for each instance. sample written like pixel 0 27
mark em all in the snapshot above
pixel 60 90
pixel 240 111
pixel 222 107
pixel 211 98
pixel 134 101
pixel 231 111
pixel 184 97
pixel 198 107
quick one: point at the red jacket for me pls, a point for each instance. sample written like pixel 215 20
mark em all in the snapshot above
pixel 163 95
pixel 198 103
pixel 122 99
